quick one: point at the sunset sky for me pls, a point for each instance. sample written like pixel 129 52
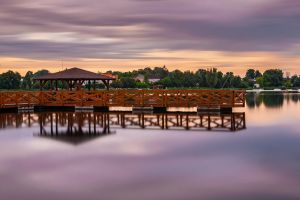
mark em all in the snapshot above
pixel 99 35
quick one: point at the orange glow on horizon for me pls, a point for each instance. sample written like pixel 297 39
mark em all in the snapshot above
pixel 182 60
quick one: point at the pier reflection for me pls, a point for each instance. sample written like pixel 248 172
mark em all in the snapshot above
pixel 79 127
pixel 56 123
pixel 74 128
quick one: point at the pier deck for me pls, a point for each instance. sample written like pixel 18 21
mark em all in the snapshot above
pixel 125 98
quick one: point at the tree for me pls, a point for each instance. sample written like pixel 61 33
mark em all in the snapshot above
pixel 257 74
pixel 237 82
pixel 142 85
pixel 295 80
pixel 200 76
pixel 287 83
pixel 38 74
pixel 10 80
pixel 166 82
pixel 250 74
pixel 27 82
pixel 273 78
pixel 189 79
pixel 212 78
pixel 116 84
pixel 260 81
pixel 177 78
pixel 227 80
pixel 160 72
pixel 127 82
pixel 41 72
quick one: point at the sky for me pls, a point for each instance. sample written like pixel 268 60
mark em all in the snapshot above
pixel 98 35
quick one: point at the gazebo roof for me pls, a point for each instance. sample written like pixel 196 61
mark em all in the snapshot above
pixel 75 74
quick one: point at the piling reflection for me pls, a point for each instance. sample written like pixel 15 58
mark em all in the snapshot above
pixel 79 127
pixel 185 121
pixel 74 128
pixel 98 123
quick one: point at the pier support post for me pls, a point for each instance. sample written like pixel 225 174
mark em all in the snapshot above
pixel 159 109
pixel 150 109
pixel 54 108
pixel 222 110
pixel 101 108
pixel 227 110
pixel 9 110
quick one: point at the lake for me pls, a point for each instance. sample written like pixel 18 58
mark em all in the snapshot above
pixel 253 153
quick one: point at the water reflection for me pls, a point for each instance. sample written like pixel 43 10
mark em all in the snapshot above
pixel 270 100
pixel 295 98
pixel 85 126
pixel 74 128
pixel 138 163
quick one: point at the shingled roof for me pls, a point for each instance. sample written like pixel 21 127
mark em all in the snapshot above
pixel 75 74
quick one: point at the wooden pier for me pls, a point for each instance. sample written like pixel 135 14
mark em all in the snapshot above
pixel 124 98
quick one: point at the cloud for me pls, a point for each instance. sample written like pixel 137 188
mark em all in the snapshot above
pixel 128 29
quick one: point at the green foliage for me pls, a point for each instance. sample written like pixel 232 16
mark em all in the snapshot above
pixel 210 78
pixel 287 83
pixel 27 82
pixel 250 74
pixel 260 81
pixel 124 82
pixel 116 84
pixel 38 74
pixel 166 82
pixel 201 79
pixel 257 74
pixel 142 85
pixel 10 80
pixel 273 78
pixel 295 81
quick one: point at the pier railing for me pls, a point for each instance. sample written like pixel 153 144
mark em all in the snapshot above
pixel 125 98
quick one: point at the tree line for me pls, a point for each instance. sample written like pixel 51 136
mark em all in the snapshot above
pixel 202 78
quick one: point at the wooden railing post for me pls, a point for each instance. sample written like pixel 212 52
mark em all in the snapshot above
pixel 233 99
pixel 28 99
pixel 105 96
pixel 82 96
pixel 41 98
pixel 1 100
pixel 244 98
pixel 61 97
pixel 16 99
pixel 165 99
pixel 143 98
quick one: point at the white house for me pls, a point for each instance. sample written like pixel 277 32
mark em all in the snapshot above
pixel 140 78
pixel 153 79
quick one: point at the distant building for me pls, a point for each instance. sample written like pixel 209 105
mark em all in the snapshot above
pixel 153 79
pixel 256 85
pixel 140 78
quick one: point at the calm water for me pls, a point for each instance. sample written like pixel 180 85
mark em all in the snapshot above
pixel 252 154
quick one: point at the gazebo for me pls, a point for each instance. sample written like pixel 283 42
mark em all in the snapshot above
pixel 74 78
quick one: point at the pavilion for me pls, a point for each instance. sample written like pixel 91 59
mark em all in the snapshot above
pixel 74 78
